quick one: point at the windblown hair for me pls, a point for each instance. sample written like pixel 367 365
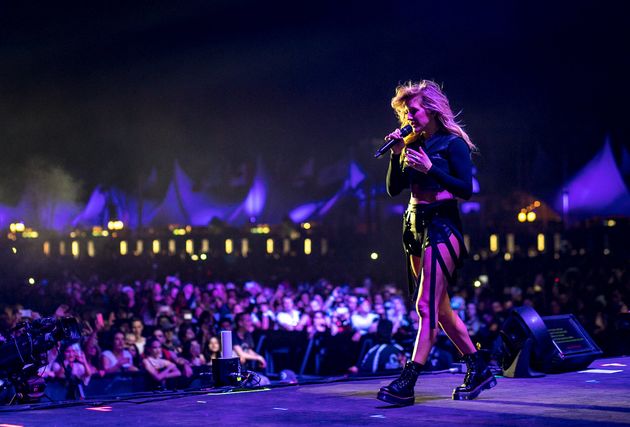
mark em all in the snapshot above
pixel 433 100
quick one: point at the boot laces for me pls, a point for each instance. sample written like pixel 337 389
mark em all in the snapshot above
pixel 471 371
pixel 407 376
pixel 469 376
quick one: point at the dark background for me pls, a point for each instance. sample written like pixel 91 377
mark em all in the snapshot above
pixel 107 90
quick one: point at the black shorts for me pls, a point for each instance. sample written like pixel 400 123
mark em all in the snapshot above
pixel 427 225
pixel 430 224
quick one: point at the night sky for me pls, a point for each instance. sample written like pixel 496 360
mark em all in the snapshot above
pixel 109 90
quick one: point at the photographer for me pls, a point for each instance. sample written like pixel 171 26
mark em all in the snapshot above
pixel 26 355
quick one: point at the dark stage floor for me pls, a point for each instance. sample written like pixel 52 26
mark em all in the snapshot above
pixel 575 399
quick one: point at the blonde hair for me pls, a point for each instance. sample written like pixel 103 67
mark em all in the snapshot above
pixel 433 100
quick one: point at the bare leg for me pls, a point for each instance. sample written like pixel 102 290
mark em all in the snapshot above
pixel 478 376
pixel 426 336
pixel 454 327
pixel 450 322
pixel 401 390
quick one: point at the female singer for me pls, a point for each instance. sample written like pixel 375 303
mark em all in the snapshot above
pixel 434 163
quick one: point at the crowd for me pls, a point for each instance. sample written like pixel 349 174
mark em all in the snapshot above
pixel 169 328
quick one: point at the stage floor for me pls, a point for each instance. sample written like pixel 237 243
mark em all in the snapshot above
pixel 576 399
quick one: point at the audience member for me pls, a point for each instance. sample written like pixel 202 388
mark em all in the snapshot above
pixel 137 327
pixel 243 343
pixel 118 359
pixel 159 368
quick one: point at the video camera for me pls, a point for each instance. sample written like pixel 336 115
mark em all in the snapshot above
pixel 24 352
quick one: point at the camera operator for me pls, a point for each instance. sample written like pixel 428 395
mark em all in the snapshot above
pixel 25 354
pixel 48 370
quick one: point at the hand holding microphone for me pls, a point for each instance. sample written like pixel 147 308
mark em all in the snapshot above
pixel 393 139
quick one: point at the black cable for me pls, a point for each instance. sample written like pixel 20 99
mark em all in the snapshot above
pixel 150 397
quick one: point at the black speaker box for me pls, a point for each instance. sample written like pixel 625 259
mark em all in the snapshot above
pixel 573 349
pixel 534 346
pixel 226 372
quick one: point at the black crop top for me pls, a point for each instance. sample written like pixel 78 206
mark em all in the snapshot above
pixel 451 170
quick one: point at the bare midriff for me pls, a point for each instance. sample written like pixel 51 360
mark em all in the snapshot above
pixel 419 196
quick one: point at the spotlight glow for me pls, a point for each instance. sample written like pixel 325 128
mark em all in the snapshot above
pixel 494 243
pixel 244 248
pixel 139 248
pixel 190 246
pixel 90 249
pixel 269 246
pixel 172 247
pixel 308 246
pixel 17 227
pixel 30 234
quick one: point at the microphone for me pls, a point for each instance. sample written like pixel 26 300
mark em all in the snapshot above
pixel 389 143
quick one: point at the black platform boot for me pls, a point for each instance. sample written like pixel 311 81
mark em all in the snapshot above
pixel 400 391
pixel 478 378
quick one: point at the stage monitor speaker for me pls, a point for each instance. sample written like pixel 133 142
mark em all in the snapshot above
pixel 527 346
pixel 533 346
pixel 574 349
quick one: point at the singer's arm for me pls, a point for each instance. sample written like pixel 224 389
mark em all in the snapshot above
pixel 396 180
pixel 459 182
